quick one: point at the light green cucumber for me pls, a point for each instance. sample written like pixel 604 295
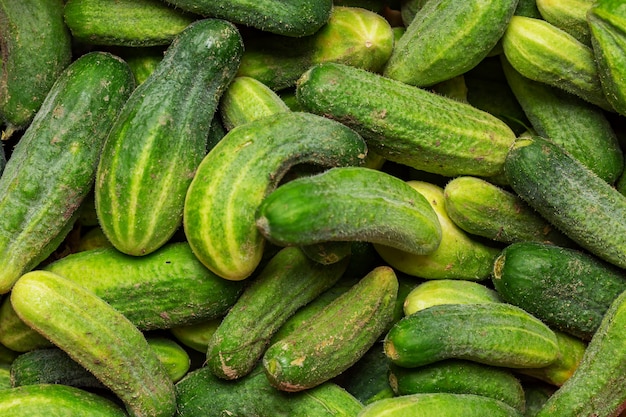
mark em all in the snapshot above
pixel 98 337
pixel 458 256
pixel 568 15
pixel 245 166
pixel 380 208
pixel 142 61
pixel 406 124
pixel 196 336
pixel 156 144
pixel 52 168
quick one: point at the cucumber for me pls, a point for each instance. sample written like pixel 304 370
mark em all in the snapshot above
pixel 56 400
pixel 497 334
pixel 5 376
pixel 458 256
pixel 568 15
pixel 245 166
pixel 196 336
pixel 338 336
pixel 124 22
pixel 568 289
pixel 98 337
pixel 565 192
pixel 537 393
pixel 368 378
pixel 35 46
pixel 295 18
pixel 288 281
pixel 144 173
pixel 446 38
pixel 406 124
pixel 142 61
pixel 381 209
pixel 52 168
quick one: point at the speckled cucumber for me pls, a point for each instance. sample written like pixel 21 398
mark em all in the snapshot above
pixel 381 209
pixel 407 124
pixel 245 166
pixel 53 166
pixel 568 15
pixel 144 173
pixel 99 338
pixel 36 47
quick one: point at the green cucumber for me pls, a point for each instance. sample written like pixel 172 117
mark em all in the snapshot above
pixel 295 18
pixel 381 209
pixel 5 376
pixel 156 144
pixel 56 400
pixel 52 168
pixel 196 336
pixel 458 256
pixel 568 15
pixel 406 124
pixel 570 196
pixel 446 38
pixel 287 282
pixel 245 166
pixel 35 47
pixel 125 23
pixel 497 334
pixel 568 289
pixel 331 341
pixel 98 337
pixel 142 61
pixel 537 393
pixel 368 378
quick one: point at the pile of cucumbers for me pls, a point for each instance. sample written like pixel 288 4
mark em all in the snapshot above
pixel 312 208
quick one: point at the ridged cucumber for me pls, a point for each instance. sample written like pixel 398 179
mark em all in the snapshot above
pixel 156 144
pixel 245 166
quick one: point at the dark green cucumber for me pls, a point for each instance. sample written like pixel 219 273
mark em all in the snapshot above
pixel 125 23
pixel 368 378
pixel 570 196
pixel 5 376
pixel 294 18
pixel 155 146
pixel 498 334
pixel 56 400
pixel 331 341
pixel 53 166
pixel 568 289
pixel 202 394
pixel 245 166
pixel 35 47
pixel 406 124
pixel 98 337
pixel 380 209
pixel 288 281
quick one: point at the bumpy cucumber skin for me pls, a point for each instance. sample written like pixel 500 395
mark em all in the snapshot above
pixel 152 151
pixel 98 337
pixel 289 281
pixel 568 289
pixel 245 166
pixel 381 209
pixel 446 38
pixel 597 386
pixel 335 338
pixel 568 15
pixel 570 196
pixel 36 47
pixel 53 166
pixel 294 18
pixel 406 124
pixel 496 334
pixel 56 400
pixel 202 394
pixel 125 23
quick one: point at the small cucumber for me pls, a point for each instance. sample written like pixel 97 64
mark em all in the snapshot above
pixel 196 336
pixel 245 166
pixel 570 196
pixel 52 168
pixel 288 281
pixel 406 124
pixel 568 15
pixel 381 209
pixel 124 22
pixel 497 334
pixel 335 338
pixel 458 256
pixel 144 173
pixel 35 47
pixel 98 337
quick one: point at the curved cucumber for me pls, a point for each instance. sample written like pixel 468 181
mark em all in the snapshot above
pixel 350 204
pixel 245 166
